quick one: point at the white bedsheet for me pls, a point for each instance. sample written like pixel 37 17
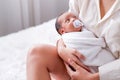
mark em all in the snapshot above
pixel 14 48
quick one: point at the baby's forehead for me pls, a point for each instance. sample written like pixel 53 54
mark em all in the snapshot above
pixel 66 15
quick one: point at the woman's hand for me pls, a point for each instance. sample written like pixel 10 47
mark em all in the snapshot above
pixel 68 53
pixel 80 73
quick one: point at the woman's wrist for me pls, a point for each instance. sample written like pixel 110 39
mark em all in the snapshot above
pixel 95 76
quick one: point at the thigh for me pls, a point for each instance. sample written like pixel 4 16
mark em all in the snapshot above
pixel 54 63
pixel 47 56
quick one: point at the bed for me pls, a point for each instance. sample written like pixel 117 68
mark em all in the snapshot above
pixel 14 48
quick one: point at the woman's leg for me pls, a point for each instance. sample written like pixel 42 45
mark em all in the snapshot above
pixel 43 60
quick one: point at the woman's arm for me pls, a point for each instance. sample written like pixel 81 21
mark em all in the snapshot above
pixel 111 71
pixel 69 53
pixel 74 6
pixel 112 37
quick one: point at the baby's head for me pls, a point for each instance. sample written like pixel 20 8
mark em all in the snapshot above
pixel 65 23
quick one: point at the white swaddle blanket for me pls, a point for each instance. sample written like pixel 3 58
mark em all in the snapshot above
pixel 94 49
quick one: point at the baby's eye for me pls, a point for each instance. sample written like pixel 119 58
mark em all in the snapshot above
pixel 74 17
pixel 67 20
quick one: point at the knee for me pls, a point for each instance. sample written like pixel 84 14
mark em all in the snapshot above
pixel 40 53
pixel 36 50
pixel 35 53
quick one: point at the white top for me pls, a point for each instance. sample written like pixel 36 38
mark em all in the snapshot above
pixel 108 27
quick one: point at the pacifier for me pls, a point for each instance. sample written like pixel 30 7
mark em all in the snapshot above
pixel 77 23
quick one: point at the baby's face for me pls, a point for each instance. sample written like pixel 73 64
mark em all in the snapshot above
pixel 66 20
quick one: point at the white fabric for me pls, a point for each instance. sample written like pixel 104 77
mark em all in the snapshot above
pixel 109 70
pixel 107 27
pixel 94 49
pixel 14 48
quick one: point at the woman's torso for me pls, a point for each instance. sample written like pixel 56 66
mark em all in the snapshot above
pixel 106 26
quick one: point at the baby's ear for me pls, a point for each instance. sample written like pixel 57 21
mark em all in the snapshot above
pixel 62 31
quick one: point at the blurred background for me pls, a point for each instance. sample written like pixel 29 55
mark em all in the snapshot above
pixel 16 15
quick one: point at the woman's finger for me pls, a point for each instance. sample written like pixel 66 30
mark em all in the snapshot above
pixel 69 70
pixel 78 58
pixel 78 62
pixel 83 66
pixel 73 64
pixel 78 65
pixel 79 55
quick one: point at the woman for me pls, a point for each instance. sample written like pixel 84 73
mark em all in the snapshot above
pixel 102 17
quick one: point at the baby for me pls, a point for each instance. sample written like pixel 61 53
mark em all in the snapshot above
pixel 76 36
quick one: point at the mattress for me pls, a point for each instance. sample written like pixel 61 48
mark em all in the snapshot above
pixel 14 48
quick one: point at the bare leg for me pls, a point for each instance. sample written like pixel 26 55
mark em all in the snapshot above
pixel 43 60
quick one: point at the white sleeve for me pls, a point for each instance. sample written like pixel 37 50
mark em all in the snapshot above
pixel 112 37
pixel 110 71
pixel 74 6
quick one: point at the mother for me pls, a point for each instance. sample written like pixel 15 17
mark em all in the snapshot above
pixel 101 17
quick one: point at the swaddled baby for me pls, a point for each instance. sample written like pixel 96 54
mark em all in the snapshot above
pixel 77 37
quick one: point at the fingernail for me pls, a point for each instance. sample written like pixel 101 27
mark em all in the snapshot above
pixel 70 60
